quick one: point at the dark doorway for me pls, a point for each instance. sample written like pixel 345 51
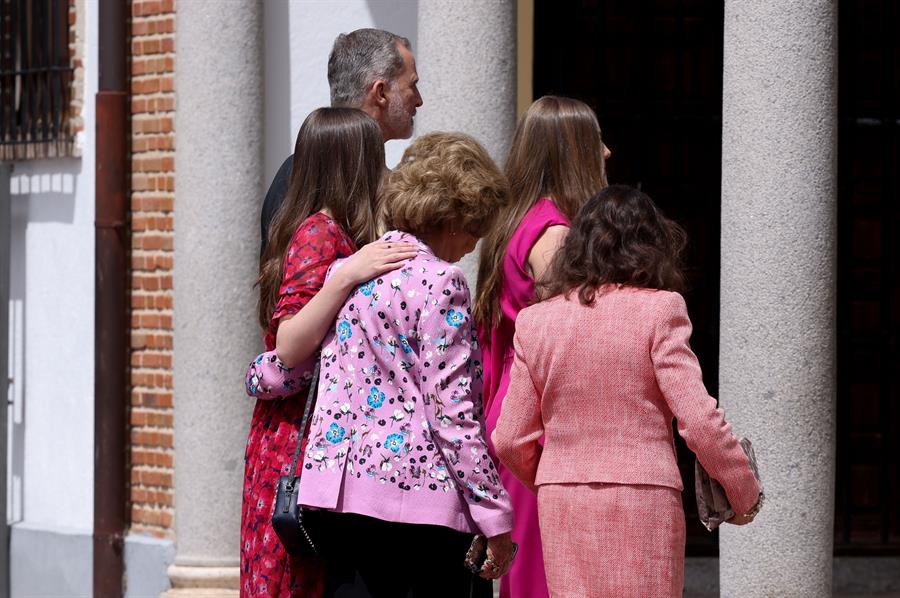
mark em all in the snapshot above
pixel 652 70
pixel 867 518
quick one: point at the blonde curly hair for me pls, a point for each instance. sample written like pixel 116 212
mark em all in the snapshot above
pixel 444 179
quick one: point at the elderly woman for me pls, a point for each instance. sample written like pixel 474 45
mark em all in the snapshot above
pixel 396 452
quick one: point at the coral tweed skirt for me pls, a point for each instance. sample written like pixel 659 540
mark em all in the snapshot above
pixel 612 540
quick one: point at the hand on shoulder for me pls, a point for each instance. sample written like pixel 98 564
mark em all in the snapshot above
pixel 375 259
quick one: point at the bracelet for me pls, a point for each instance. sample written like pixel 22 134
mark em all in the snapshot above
pixel 756 508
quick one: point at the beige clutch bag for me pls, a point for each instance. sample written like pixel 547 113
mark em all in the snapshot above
pixel 712 503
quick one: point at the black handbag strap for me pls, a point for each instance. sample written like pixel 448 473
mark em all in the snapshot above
pixel 310 399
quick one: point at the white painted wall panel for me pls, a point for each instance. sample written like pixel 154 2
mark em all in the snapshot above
pixel 52 332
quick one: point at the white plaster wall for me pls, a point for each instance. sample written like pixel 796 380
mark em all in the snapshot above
pixel 52 328
pixel 299 36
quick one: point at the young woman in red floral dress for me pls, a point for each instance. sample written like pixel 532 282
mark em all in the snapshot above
pixel 328 212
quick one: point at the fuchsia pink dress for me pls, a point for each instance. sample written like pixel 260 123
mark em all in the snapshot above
pixel 526 579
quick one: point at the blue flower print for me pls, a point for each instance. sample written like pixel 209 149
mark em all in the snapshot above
pixel 367 288
pixel 455 318
pixel 344 330
pixel 394 442
pixel 376 398
pixel 405 344
pixel 335 433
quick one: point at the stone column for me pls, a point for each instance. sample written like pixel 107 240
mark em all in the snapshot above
pixel 467 65
pixel 777 353
pixel 219 123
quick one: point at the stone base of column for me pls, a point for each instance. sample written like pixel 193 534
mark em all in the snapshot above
pixel 200 593
pixel 203 582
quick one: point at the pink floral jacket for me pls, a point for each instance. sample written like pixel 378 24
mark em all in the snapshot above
pixel 397 432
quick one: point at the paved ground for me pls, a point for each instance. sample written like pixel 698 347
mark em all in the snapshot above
pixel 834 596
pixel 890 595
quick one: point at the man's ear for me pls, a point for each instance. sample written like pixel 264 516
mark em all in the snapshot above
pixel 378 94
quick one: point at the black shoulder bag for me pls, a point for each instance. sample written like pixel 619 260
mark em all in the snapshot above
pixel 293 525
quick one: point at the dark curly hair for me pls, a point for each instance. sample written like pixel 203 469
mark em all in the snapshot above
pixel 618 237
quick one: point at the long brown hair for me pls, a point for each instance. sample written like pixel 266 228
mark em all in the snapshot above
pixel 338 164
pixel 618 237
pixel 557 152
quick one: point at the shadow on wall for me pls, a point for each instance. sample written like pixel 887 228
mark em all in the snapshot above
pixel 50 189
pixel 16 409
pixel 401 18
pixel 397 17
pixel 42 191
pixel 279 137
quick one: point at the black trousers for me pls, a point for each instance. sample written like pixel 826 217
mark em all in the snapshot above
pixel 370 558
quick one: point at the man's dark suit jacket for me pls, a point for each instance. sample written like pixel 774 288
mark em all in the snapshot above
pixel 274 199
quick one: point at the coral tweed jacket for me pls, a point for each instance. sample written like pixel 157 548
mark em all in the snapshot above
pixel 602 383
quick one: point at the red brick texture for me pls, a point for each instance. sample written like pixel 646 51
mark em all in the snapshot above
pixel 76 52
pixel 152 70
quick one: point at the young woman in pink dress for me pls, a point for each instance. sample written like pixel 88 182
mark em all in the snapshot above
pixel 602 366
pixel 555 163
pixel 328 212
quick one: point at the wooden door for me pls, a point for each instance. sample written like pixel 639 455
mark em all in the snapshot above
pixel 652 69
pixel 867 517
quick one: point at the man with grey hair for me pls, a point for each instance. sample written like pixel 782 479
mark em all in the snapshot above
pixel 370 69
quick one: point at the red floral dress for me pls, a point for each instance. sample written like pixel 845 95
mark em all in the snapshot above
pixel 266 569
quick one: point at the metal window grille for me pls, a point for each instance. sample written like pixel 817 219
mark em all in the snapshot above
pixel 35 79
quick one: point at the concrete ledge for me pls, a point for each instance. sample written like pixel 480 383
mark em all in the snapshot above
pixel 853 576
pixel 867 575
pixel 701 577
pixel 200 593
pixel 193 578
pixel 146 561
pixel 50 562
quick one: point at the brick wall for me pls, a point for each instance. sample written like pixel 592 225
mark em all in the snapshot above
pixel 76 55
pixel 152 67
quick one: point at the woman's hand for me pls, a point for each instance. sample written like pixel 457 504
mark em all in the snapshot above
pixel 500 553
pixel 740 519
pixel 745 518
pixel 375 259
pixel 299 335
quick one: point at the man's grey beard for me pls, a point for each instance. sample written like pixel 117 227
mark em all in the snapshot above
pixel 402 124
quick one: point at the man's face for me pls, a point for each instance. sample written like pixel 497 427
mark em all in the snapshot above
pixel 403 99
